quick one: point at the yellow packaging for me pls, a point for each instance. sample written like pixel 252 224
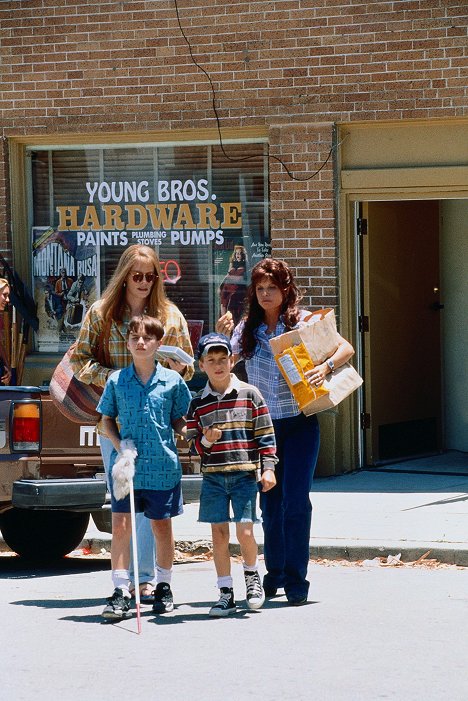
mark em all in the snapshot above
pixel 293 363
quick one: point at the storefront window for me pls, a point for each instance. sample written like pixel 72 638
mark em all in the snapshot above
pixel 206 215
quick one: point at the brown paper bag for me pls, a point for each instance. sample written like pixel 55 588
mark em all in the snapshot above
pixel 320 338
pixel 294 362
pixel 340 384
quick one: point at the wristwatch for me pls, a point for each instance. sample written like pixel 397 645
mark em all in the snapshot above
pixel 331 365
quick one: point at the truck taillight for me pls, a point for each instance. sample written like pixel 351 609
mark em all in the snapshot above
pixel 25 426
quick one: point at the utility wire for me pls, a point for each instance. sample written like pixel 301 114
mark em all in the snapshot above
pixel 218 121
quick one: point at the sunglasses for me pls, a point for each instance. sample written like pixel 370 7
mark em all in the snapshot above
pixel 149 277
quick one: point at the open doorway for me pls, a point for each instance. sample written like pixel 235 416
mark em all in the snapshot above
pixel 414 297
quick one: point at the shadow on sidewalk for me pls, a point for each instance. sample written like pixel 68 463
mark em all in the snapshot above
pixel 437 473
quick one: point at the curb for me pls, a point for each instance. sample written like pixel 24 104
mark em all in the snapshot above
pixel 329 551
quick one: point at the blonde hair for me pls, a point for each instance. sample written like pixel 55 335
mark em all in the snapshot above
pixel 113 298
pixel 4 283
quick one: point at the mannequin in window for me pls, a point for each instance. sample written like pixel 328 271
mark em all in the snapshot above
pixel 232 290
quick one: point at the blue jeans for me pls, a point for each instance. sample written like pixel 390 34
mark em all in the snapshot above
pixel 286 509
pixel 222 490
pixel 145 538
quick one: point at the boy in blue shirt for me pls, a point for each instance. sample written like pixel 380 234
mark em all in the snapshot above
pixel 145 403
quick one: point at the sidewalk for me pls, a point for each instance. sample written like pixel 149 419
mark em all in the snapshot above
pixel 367 514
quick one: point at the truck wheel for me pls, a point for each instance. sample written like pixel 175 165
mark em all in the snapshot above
pixel 43 535
pixel 103 520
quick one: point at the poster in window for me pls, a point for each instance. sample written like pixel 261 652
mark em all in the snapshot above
pixel 65 283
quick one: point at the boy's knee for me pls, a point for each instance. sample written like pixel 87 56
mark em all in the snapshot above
pixel 121 526
pixel 161 526
pixel 220 531
pixel 245 532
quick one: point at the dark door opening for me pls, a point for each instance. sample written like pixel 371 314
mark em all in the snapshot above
pixel 402 348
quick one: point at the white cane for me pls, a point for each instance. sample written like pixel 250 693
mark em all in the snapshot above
pixel 135 557
pixel 122 483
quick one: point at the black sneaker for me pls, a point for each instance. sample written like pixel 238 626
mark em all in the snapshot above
pixel 226 604
pixel 255 594
pixel 163 599
pixel 118 606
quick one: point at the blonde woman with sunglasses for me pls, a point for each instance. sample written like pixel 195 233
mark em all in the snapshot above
pixel 135 288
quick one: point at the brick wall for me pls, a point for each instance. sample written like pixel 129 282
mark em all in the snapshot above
pixel 295 65
pixel 5 240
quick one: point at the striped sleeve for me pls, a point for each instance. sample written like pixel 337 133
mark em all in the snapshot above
pixel 194 429
pixel 263 428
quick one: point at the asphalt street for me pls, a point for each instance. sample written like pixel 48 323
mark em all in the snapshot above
pixel 367 633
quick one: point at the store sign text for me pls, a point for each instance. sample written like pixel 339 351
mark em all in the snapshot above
pixel 184 222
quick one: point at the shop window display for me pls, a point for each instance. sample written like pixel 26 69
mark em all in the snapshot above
pixel 206 215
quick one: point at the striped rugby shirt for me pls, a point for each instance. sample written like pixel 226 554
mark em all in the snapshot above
pixel 248 440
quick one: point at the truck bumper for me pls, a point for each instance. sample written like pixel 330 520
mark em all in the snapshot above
pixel 65 494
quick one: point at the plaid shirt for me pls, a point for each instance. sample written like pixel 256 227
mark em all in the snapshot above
pixel 86 367
pixel 263 372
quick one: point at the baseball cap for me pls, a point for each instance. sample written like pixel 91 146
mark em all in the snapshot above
pixel 213 340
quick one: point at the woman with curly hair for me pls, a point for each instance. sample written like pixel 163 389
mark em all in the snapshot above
pixel 273 309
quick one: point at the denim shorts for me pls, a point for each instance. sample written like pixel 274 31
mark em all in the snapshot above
pixel 220 490
pixel 156 504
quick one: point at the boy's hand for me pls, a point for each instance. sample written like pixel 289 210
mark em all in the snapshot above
pixel 123 472
pixel 128 445
pixel 212 434
pixel 268 480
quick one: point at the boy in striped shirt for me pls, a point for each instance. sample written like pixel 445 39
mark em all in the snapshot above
pixel 230 427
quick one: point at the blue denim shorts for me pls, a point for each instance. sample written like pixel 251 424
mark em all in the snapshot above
pixel 220 490
pixel 157 504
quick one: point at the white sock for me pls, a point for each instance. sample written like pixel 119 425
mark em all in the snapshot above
pixel 163 575
pixel 225 582
pixel 121 580
pixel 250 568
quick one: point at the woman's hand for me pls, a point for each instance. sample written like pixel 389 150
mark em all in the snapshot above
pixel 225 324
pixel 317 375
pixel 342 354
pixel 268 480
pixel 177 365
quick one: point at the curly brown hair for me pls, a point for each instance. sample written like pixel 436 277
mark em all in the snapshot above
pixel 280 274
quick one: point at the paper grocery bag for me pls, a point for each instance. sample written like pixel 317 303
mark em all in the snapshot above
pixel 294 362
pixel 340 384
pixel 319 338
pixel 318 334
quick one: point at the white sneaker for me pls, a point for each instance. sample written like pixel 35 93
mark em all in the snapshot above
pixel 255 594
